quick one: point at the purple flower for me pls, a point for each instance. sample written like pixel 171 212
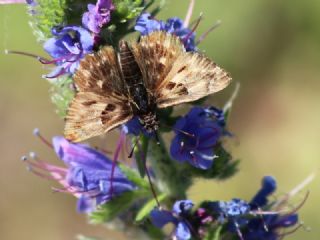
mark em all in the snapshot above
pixel 146 24
pixel 68 47
pixel 196 135
pixel 87 176
pixel 97 15
pixel 178 216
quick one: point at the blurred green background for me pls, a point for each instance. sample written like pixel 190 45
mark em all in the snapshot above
pixel 271 47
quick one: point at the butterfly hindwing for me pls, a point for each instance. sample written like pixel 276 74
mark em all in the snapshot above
pixel 101 102
pixel 91 114
pixel 192 76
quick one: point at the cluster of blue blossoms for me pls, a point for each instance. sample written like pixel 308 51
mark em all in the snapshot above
pixel 99 182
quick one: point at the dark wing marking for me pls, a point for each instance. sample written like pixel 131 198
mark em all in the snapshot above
pixel 155 54
pixel 91 114
pixel 100 73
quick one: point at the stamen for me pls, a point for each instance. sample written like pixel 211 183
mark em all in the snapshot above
pixel 281 236
pixel 238 230
pixel 300 205
pixel 36 132
pixel 38 173
pixel 6 51
pixel 189 14
pixel 204 35
pixel 61 72
pixel 229 103
pixel 193 29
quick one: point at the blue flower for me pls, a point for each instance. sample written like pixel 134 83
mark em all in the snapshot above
pixel 175 26
pixel 196 135
pixel 87 176
pixel 134 127
pixel 146 24
pixel 68 47
pixel 97 15
pixel 267 226
pixel 232 212
pixel 178 216
pixel 269 185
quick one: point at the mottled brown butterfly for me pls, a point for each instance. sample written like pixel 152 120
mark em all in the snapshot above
pixel 154 73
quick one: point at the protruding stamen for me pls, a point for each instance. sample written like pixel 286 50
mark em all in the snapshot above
pixel 189 14
pixel 193 29
pixel 281 236
pixel 37 133
pixel 204 35
pixel 229 103
pixel 6 51
pixel 238 230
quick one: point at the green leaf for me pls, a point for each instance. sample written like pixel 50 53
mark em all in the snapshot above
pixel 117 205
pixel 214 234
pixel 134 177
pixel 146 209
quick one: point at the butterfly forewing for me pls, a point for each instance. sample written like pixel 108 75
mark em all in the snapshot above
pixel 156 54
pixel 173 75
pixel 100 73
pixel 101 102
pixel 191 77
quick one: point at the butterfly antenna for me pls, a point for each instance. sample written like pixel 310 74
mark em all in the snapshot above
pixel 154 193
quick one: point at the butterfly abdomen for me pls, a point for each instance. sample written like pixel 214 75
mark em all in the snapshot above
pixel 143 105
